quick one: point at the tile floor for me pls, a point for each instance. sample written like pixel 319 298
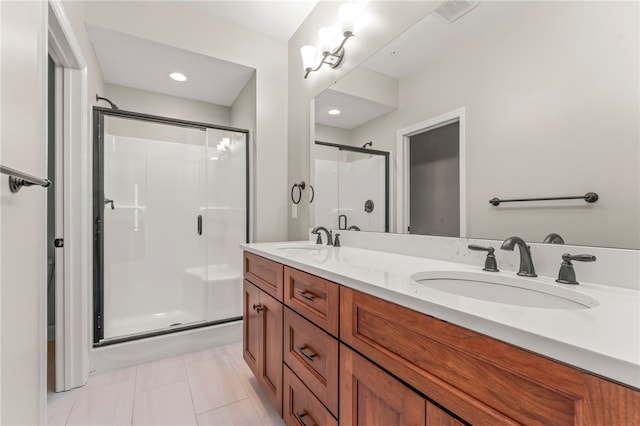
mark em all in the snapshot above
pixel 211 387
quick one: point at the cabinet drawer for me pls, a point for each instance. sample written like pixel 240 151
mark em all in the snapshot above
pixel 313 355
pixel 264 273
pixel 482 380
pixel 301 408
pixel 313 297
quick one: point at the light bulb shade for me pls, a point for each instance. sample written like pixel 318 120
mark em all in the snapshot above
pixel 308 53
pixel 327 36
pixel 348 12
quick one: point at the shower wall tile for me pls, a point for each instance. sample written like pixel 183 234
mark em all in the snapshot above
pixel 165 405
pixel 159 373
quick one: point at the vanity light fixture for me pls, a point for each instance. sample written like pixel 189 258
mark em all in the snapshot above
pixel 178 76
pixel 330 55
pixel 334 112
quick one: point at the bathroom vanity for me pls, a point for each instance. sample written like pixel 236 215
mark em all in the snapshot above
pixel 351 336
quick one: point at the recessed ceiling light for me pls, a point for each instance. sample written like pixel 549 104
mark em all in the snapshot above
pixel 178 76
pixel 334 111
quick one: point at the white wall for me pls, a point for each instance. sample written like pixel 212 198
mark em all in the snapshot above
pixel 75 11
pixel 380 23
pixel 243 110
pixel 552 106
pixel 146 102
pixel 213 37
pixel 23 35
pixel 332 134
pixel 369 85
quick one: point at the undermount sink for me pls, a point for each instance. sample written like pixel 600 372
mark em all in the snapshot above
pixel 301 248
pixel 506 289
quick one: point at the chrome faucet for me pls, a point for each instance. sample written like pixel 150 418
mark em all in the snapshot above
pixel 316 231
pixel 526 262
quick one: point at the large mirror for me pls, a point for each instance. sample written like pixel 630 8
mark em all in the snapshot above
pixel 507 100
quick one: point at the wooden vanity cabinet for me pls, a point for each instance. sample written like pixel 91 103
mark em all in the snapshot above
pixel 331 353
pixel 310 348
pixel 314 298
pixel 301 407
pixel 312 355
pixel 480 379
pixel 262 325
pixel 264 274
pixel 371 396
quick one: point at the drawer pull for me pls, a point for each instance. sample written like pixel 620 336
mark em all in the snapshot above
pixel 299 416
pixel 258 307
pixel 310 356
pixel 310 297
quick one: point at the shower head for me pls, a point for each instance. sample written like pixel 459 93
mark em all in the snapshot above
pixel 368 144
pixel 100 98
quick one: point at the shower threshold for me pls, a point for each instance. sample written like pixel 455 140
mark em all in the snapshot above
pixel 173 328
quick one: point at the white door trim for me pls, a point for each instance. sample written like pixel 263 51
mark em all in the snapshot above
pixel 402 165
pixel 72 297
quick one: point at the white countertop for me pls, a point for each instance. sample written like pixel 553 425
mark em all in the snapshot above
pixel 604 339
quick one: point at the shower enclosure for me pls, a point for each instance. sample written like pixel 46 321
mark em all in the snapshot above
pixel 171 207
pixel 351 187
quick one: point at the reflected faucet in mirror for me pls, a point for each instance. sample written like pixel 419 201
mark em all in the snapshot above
pixel 553 238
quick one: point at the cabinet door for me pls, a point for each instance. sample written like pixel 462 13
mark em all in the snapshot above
pixel 438 417
pixel 271 349
pixel 371 397
pixel 251 325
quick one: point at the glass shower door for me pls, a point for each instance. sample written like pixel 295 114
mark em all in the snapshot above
pixel 225 221
pixel 153 189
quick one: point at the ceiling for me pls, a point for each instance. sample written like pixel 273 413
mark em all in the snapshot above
pixel 355 111
pixel 130 61
pixel 277 19
pixel 133 62
pixel 424 43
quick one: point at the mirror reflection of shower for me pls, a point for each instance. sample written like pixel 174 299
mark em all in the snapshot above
pixel 349 181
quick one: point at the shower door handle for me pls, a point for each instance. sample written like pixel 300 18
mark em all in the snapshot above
pixel 199 224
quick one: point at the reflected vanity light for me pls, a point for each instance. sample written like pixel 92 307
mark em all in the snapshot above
pixel 178 76
pixel 223 146
pixel 334 112
pixel 330 54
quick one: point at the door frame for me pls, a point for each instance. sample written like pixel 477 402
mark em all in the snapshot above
pixel 403 166
pixel 72 136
